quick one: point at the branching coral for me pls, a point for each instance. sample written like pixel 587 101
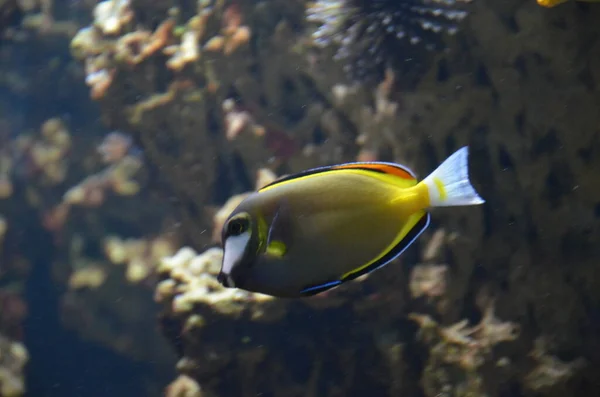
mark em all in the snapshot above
pixel 191 277
pixel 35 30
pixel 127 269
pixel 91 276
pixel 111 42
pixel 117 178
pixel 140 256
pixel 431 280
pixel 20 17
pixel 92 191
pixel 376 115
pixel 192 281
pixel 13 357
pixel 190 74
pixel 9 13
pixel 40 159
pixel 43 165
pixel 428 280
pixel 44 154
pixel 3 227
pixel 184 386
pixel 549 371
pixel 111 15
pixel 14 269
pixel 463 348
pixel 6 187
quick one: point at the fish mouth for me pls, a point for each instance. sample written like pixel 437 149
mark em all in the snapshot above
pixel 226 280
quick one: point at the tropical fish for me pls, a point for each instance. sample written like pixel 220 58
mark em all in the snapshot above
pixel 554 3
pixel 312 231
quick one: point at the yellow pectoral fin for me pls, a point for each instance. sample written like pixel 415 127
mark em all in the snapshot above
pixel 554 3
pixel 550 3
pixel 277 249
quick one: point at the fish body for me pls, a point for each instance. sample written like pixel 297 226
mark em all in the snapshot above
pixel 312 231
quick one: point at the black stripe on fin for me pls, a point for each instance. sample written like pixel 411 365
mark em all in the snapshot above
pixel 338 167
pixel 395 252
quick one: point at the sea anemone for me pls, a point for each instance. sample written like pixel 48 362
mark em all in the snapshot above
pixel 372 34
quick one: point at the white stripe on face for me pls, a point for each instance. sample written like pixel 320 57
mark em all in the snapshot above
pixel 233 253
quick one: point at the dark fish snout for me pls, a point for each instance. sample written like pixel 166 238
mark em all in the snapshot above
pixel 225 280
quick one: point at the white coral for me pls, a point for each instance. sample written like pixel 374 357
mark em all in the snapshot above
pixel 111 15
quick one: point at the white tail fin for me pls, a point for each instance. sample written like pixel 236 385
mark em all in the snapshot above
pixel 449 184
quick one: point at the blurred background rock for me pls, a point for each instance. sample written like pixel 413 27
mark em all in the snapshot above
pixel 129 129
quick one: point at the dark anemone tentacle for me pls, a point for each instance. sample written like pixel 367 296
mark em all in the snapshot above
pixel 369 33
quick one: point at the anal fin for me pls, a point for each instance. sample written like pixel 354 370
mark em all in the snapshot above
pixel 317 289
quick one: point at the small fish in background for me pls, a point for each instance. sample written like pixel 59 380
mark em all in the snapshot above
pixel 312 231
pixel 554 3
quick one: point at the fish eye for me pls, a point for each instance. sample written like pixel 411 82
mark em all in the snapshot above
pixel 237 226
